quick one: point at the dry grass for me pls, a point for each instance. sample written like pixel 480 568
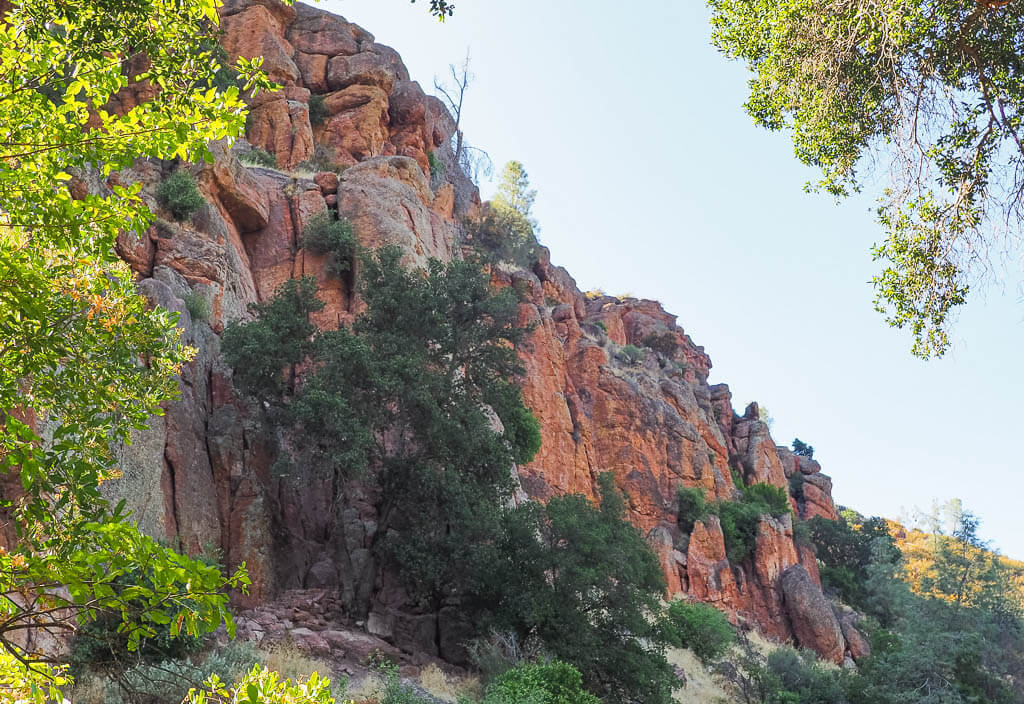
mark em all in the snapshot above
pixel 701 686
pixel 287 660
pixel 437 684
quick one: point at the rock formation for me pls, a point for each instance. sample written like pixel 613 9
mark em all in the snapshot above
pixel 205 473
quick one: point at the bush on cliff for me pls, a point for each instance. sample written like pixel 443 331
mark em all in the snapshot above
pixel 740 518
pixel 693 507
pixel 180 194
pixel 582 580
pixel 324 234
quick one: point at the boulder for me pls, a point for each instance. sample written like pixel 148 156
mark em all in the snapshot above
pixel 814 624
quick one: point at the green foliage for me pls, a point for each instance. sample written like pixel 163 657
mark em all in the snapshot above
pixel 583 582
pixel 395 692
pixel 692 507
pixel 323 159
pixel 857 83
pixel 317 110
pixel 424 360
pixel 774 499
pixel 540 683
pixel 803 449
pixel 441 9
pixel 335 237
pixel 60 63
pixel 259 157
pixel 796 485
pixel 700 627
pixel 740 519
pixel 262 686
pixel 198 305
pixel 847 552
pixel 437 167
pixel 180 194
pixel 664 343
pixel 506 230
pixel 630 354
pixel 600 324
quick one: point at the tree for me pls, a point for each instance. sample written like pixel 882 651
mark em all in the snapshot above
pixel 401 399
pixel 803 449
pixel 472 160
pixel 582 581
pixel 506 229
pixel 83 359
pixel 933 91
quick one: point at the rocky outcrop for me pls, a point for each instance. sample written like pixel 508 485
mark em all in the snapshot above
pixel 208 472
pixel 814 624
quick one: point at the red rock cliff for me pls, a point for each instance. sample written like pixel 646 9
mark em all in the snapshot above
pixel 204 473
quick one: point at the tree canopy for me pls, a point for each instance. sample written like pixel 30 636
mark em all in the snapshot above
pixel 933 93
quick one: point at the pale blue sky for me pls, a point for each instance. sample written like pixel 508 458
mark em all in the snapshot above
pixel 652 180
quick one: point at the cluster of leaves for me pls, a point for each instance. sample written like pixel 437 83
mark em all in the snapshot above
pixel 261 685
pixel 936 90
pixel 693 507
pixel 740 518
pixel 803 449
pixel 180 195
pixel 317 109
pixel 259 157
pixel 326 234
pixel 700 627
pixel 630 354
pixel 73 328
pixel 539 683
pixel 437 167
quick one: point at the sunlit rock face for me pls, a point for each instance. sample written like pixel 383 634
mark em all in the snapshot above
pixel 207 474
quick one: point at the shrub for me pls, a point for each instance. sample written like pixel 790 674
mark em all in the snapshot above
pixel 548 683
pixel 437 167
pixel 317 110
pixel 664 343
pixel 702 628
pixel 504 234
pixel 396 692
pixel 259 157
pixel 630 354
pixel 796 485
pixel 740 518
pixel 600 324
pixel 774 499
pixel 180 195
pixel 802 448
pixel 198 305
pixel 323 159
pixel 325 235
pixel 692 507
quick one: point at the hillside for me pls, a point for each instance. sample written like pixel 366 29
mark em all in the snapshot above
pixel 204 474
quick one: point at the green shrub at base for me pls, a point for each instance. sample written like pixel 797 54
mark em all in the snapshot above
pixel 317 110
pixel 542 683
pixel 180 195
pixel 702 628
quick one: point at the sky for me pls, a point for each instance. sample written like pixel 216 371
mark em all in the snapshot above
pixel 651 180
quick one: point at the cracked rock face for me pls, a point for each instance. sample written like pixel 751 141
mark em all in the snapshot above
pixel 204 473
